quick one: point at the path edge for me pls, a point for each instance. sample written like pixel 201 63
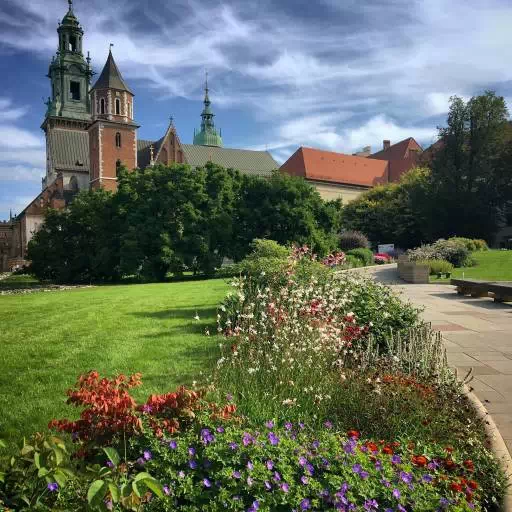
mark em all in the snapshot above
pixel 498 446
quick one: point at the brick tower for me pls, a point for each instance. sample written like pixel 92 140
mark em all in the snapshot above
pixel 112 133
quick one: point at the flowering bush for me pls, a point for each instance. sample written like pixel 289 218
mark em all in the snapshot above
pixel 453 250
pixel 287 467
pixel 382 258
pixel 353 240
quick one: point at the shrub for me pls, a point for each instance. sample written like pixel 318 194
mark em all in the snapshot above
pixel 470 261
pixel 353 261
pixel 365 255
pixel 471 244
pixel 353 240
pixel 454 251
pixel 267 249
pixel 438 266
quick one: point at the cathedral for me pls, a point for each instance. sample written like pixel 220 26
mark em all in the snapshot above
pixel 91 131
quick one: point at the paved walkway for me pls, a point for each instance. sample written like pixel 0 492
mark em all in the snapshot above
pixel 477 334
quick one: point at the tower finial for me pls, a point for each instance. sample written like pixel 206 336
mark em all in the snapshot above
pixel 70 2
pixel 110 47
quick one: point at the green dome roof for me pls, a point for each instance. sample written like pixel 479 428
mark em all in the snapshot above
pixel 208 135
pixel 70 18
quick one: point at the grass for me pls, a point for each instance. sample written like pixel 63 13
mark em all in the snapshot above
pixel 492 265
pixel 49 338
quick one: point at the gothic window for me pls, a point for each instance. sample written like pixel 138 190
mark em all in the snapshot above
pixel 102 106
pixel 118 107
pixel 74 90
pixel 118 140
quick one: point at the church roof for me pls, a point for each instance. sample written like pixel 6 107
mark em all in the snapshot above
pixel 69 150
pixel 246 161
pixel 111 77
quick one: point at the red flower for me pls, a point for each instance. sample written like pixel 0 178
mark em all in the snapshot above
pixel 455 487
pixel 388 450
pixel 353 434
pixel 473 485
pixel 468 464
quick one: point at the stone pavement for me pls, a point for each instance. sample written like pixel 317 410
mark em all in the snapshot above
pixel 477 334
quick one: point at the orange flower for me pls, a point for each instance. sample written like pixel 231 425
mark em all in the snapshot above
pixel 372 447
pixel 473 485
pixel 388 450
pixel 419 460
pixel 354 434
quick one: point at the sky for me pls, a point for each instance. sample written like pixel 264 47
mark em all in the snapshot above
pixel 331 74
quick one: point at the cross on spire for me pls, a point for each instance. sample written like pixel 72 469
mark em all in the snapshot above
pixel 70 2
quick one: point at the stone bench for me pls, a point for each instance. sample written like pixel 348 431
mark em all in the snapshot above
pixel 473 287
pixel 501 290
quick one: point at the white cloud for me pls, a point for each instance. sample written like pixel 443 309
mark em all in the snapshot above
pixel 21 173
pixel 14 137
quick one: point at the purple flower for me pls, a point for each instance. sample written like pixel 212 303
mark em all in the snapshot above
pixel 310 469
pixel 207 483
pixel 349 447
pixel 229 397
pixel 268 486
pixel 363 448
pixel 315 444
pixel 396 459
pixel 401 509
pixel 371 504
pixel 192 451
pixel 255 506
pixel 110 464
pixel 147 455
pixel 364 475
pixel 444 502
pixel 304 480
pixel 406 477
pixel 250 466
pixel 396 494
pixel 220 430
pixel 378 465
pixel 269 424
pixel 274 440
pixel 305 504
pixel 356 468
pixel 141 461
pixel 247 439
pixel 192 464
pixel 385 483
pixel 301 426
pixel 285 487
pixel 237 474
pixel 250 481
pixel 302 461
pixel 166 490
pixel 109 504
pixel 288 425
pixel 233 446
pixel 181 474
pixel 206 436
pixel 53 487
pixel 173 445
pixel 328 424
pixel 270 465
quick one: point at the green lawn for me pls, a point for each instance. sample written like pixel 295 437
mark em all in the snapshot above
pixel 48 338
pixel 493 265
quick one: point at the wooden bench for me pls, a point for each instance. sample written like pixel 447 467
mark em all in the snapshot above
pixel 502 291
pixel 473 287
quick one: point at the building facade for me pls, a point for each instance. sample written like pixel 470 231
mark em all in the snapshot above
pixel 91 132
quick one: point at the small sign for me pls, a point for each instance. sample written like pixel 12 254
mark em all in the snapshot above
pixel 386 248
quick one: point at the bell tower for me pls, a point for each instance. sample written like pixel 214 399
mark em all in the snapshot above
pixel 113 132
pixel 68 108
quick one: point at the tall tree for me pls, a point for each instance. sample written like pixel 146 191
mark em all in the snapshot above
pixel 471 174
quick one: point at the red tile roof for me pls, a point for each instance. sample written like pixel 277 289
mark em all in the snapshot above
pixel 316 164
pixel 398 151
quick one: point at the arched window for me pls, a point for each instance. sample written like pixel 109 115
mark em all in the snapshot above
pixel 118 140
pixel 118 107
pixel 102 106
pixel 118 168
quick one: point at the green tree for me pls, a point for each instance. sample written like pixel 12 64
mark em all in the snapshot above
pixel 79 244
pixel 286 209
pixel 471 173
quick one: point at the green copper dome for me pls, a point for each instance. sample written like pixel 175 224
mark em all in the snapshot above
pixel 208 136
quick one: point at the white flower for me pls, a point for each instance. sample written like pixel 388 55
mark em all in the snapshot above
pixel 196 317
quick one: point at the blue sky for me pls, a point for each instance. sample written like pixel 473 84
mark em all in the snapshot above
pixel 333 74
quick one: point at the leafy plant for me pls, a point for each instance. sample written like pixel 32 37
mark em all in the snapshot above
pixel 365 255
pixel 438 266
